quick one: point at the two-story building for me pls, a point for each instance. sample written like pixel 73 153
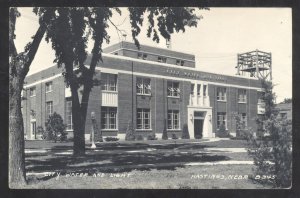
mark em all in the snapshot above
pixel 152 88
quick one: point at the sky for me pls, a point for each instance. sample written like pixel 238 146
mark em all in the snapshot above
pixel 221 34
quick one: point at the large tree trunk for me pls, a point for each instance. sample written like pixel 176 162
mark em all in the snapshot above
pixel 17 175
pixel 78 123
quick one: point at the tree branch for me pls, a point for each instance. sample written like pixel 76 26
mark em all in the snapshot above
pixel 36 42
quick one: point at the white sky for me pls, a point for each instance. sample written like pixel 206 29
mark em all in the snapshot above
pixel 220 35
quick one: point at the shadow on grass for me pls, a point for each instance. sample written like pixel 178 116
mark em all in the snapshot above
pixel 116 163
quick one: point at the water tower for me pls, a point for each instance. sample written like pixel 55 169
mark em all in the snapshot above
pixel 256 64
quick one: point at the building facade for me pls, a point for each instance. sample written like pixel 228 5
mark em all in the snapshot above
pixel 151 87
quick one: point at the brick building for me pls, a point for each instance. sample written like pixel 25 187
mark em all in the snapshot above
pixel 149 87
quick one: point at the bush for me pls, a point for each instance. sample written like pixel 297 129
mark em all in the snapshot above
pixel 185 132
pixel 174 136
pixel 222 131
pixel 272 154
pixel 55 128
pixel 130 132
pixel 151 137
pixel 139 137
pixel 111 139
pixel 165 133
pixel 40 131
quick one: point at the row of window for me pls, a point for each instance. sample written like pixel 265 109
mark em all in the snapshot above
pixel 143 118
pixel 143 87
pixel 198 89
pixel 221 95
pixel 222 119
pixel 109 117
pixel 48 85
pixel 160 59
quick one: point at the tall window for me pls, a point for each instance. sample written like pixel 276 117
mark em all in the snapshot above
pixel 198 89
pixel 143 119
pixel 143 86
pixel 243 117
pixel 48 87
pixel 142 56
pixel 32 92
pixel 221 119
pixel 192 89
pixel 108 117
pixel 204 90
pixel 109 82
pixel 162 59
pixel 173 119
pixel 49 108
pixel 173 89
pixel 221 93
pixel 69 121
pixel 242 94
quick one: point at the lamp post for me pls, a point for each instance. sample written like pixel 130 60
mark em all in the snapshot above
pixel 93 130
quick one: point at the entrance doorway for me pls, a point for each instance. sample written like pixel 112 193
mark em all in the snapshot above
pixel 33 129
pixel 198 128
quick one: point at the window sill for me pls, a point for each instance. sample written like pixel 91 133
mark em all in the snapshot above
pixel 242 102
pixel 48 91
pixel 139 94
pixel 221 100
pixel 174 130
pixel 106 91
pixel 32 96
pixel 174 97
pixel 143 129
pixel 109 129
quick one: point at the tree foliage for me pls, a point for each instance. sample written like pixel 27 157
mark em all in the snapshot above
pixel 162 20
pixel 272 154
pixel 287 101
pixel 55 128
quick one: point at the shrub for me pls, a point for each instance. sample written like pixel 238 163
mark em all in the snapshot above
pixel 174 136
pixel 129 132
pixel 185 132
pixel 40 131
pixel 272 155
pixel 139 137
pixel 165 134
pixel 222 131
pixel 55 128
pixel 151 137
pixel 111 139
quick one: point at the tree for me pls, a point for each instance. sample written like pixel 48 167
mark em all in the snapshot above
pixel 185 132
pixel 70 32
pixel 287 100
pixel 55 128
pixel 19 64
pixel 272 154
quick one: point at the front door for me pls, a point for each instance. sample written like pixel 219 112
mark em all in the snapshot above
pixel 198 128
pixel 33 130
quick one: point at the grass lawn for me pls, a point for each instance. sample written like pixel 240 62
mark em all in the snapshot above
pixel 143 164
pixel 181 178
